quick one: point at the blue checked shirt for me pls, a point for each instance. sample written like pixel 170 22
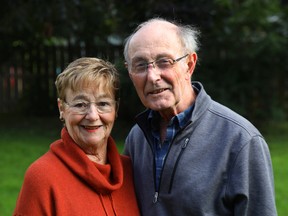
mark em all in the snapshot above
pixel 161 149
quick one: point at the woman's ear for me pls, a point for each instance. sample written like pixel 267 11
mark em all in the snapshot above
pixel 60 108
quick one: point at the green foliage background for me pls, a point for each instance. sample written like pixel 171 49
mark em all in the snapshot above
pixel 243 59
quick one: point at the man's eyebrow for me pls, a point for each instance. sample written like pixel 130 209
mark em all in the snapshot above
pixel 158 56
pixel 138 58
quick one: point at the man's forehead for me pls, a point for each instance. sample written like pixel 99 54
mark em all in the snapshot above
pixel 154 43
pixel 157 28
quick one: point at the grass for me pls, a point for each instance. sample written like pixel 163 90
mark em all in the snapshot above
pixel 22 141
pixel 280 166
pixel 277 138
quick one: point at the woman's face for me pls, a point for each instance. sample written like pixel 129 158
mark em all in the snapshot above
pixel 89 128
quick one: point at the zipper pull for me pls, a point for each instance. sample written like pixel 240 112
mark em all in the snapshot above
pixel 184 145
pixel 155 197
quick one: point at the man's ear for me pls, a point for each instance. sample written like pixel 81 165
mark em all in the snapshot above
pixel 127 67
pixel 191 62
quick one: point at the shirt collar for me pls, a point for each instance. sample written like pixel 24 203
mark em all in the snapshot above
pixel 180 120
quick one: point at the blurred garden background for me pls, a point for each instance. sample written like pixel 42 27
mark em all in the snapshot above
pixel 243 63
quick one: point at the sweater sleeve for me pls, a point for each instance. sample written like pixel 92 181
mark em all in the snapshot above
pixel 251 185
pixel 35 196
pixel 129 143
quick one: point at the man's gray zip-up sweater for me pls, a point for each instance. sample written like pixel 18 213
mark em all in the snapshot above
pixel 219 164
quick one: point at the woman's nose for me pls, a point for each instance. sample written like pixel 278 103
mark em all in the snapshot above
pixel 92 112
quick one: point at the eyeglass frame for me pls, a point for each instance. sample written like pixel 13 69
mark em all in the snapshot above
pixel 70 105
pixel 154 64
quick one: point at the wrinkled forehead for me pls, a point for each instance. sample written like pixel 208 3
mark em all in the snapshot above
pixel 99 87
pixel 155 37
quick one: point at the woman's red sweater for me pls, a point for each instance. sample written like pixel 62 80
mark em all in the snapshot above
pixel 65 182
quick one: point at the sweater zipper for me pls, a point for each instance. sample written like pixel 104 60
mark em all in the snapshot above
pixel 155 199
pixel 184 145
pixel 156 194
pixel 157 191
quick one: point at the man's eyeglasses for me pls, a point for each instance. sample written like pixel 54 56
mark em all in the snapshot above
pixel 162 64
pixel 83 107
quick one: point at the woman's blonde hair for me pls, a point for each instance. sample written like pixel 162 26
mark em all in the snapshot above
pixel 86 71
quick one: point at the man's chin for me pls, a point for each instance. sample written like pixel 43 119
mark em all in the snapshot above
pixel 158 107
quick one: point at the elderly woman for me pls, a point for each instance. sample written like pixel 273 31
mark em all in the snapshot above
pixel 82 173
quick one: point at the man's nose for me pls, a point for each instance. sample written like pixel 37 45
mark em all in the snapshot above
pixel 152 65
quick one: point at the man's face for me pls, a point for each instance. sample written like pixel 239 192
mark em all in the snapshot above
pixel 159 89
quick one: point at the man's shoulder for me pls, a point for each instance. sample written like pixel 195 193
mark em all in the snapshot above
pixel 232 118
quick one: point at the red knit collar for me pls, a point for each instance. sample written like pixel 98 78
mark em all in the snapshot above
pixel 77 162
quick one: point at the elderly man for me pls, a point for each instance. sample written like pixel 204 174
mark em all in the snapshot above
pixel 191 155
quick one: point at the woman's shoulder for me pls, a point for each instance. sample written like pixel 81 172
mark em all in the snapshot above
pixel 42 169
pixel 125 159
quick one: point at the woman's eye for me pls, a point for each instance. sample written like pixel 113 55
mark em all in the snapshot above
pixel 80 105
pixel 103 103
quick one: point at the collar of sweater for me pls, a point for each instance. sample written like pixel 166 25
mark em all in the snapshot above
pixel 103 179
